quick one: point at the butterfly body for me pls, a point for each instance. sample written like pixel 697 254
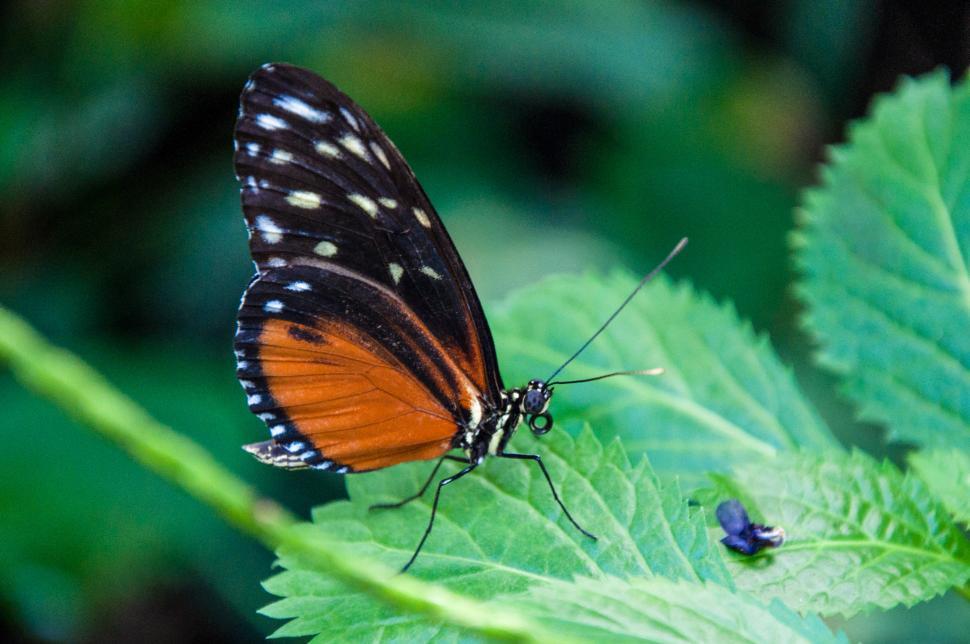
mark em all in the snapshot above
pixel 492 436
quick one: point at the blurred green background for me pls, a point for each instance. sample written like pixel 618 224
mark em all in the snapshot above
pixel 553 136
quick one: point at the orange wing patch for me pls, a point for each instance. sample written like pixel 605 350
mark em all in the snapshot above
pixel 350 398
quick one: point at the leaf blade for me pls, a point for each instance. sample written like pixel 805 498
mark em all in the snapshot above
pixel 645 529
pixel 883 247
pixel 861 534
pixel 725 397
pixel 947 474
pixel 664 610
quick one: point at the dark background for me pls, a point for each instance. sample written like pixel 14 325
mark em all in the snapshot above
pixel 552 137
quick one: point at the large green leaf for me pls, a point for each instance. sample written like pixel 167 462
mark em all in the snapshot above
pixel 947 473
pixel 499 534
pixel 860 534
pixel 884 246
pixel 725 397
pixel 661 610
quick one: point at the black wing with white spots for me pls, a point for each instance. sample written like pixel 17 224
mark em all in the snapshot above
pixel 323 183
pixel 325 190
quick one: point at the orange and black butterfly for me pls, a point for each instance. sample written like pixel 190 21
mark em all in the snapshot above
pixel 361 341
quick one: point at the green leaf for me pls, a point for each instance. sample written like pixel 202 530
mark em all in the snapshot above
pixel 860 534
pixel 947 474
pixel 725 397
pixel 661 610
pixel 499 533
pixel 884 246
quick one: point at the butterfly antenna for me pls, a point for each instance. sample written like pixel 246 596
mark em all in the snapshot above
pixel 646 278
pixel 656 371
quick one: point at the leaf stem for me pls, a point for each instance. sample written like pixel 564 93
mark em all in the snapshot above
pixel 69 382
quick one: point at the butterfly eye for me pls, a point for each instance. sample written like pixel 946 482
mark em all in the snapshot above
pixel 535 401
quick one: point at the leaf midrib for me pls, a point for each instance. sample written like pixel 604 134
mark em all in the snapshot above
pixel 828 545
pixel 934 193
pixel 837 519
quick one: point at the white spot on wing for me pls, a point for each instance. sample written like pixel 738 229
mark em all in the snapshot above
pixel 273 306
pixel 298 287
pixel 396 271
pixel 387 202
pixel 270 232
pixel 270 122
pixel 354 146
pixel 276 262
pixel 422 217
pixel 351 120
pixel 379 153
pixel 300 108
pixel 294 447
pixel 307 455
pixel 255 399
pixel 281 157
pixel 366 204
pixel 252 149
pixel 267 416
pixel 323 465
pixel 327 149
pixel 325 249
pixel 303 199
pixel 430 272
pixel 277 430
pixel 342 470
pixel 247 384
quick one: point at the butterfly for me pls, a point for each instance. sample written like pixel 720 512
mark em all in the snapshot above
pixel 742 535
pixel 361 341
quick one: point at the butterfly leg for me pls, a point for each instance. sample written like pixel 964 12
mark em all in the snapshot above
pixel 434 510
pixel 555 495
pixel 424 488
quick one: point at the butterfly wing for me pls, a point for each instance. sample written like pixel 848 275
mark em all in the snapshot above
pixel 344 374
pixel 353 263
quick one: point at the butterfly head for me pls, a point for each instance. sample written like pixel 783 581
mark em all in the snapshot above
pixel 535 402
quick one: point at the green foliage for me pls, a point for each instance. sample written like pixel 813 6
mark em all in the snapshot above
pixel 860 534
pixel 724 399
pixel 884 246
pixel 661 610
pixel 499 534
pixel 947 475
